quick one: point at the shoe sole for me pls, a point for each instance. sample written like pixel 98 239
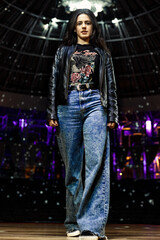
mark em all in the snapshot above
pixel 88 237
pixel 92 238
pixel 73 234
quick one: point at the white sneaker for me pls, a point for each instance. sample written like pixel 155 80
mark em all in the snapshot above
pixel 74 233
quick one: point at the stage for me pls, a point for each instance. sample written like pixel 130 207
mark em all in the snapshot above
pixel 47 231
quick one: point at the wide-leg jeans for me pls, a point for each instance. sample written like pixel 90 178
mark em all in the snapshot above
pixel 83 140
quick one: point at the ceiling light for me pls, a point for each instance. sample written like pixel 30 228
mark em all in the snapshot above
pixel 54 22
pixel 77 5
pixel 45 26
pixel 115 21
pixel 94 5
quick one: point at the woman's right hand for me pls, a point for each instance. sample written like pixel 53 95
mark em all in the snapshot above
pixel 52 123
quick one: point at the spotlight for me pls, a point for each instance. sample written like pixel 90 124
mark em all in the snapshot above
pixel 115 21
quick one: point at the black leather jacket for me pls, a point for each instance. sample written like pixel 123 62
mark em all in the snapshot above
pixel 58 84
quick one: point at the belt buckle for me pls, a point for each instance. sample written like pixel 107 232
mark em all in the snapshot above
pixel 78 87
pixel 87 85
pixel 83 86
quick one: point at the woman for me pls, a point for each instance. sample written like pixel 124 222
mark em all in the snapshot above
pixel 82 103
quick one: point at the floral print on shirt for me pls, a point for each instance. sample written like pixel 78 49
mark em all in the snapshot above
pixel 82 66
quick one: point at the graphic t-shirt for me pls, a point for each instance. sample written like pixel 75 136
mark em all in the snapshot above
pixel 84 65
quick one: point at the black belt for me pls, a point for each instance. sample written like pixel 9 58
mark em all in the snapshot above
pixel 82 87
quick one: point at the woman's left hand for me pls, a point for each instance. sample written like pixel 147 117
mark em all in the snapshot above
pixel 111 125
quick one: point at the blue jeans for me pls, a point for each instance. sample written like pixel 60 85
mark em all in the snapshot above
pixel 83 131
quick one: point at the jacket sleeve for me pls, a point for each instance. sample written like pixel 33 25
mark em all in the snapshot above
pixel 111 92
pixel 51 108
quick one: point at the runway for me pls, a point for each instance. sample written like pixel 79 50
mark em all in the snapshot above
pixel 48 231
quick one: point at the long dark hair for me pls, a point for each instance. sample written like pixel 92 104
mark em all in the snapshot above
pixel 70 37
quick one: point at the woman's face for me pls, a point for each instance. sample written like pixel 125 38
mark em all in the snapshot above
pixel 83 29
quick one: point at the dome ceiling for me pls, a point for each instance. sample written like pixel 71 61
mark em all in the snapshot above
pixel 31 31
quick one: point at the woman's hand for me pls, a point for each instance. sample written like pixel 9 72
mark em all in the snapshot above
pixel 52 123
pixel 111 125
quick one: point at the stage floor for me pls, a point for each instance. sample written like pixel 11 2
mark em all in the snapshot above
pixel 48 231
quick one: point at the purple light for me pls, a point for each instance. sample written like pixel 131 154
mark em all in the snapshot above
pixel 119 133
pixel 49 134
pixel 157 163
pixel 49 175
pixel 22 123
pixel 155 125
pixel 114 161
pixel 149 128
pixel 3 121
pixel 14 123
pixel 127 133
pixel 144 164
pixel 39 154
pixel 120 127
pixel 119 174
